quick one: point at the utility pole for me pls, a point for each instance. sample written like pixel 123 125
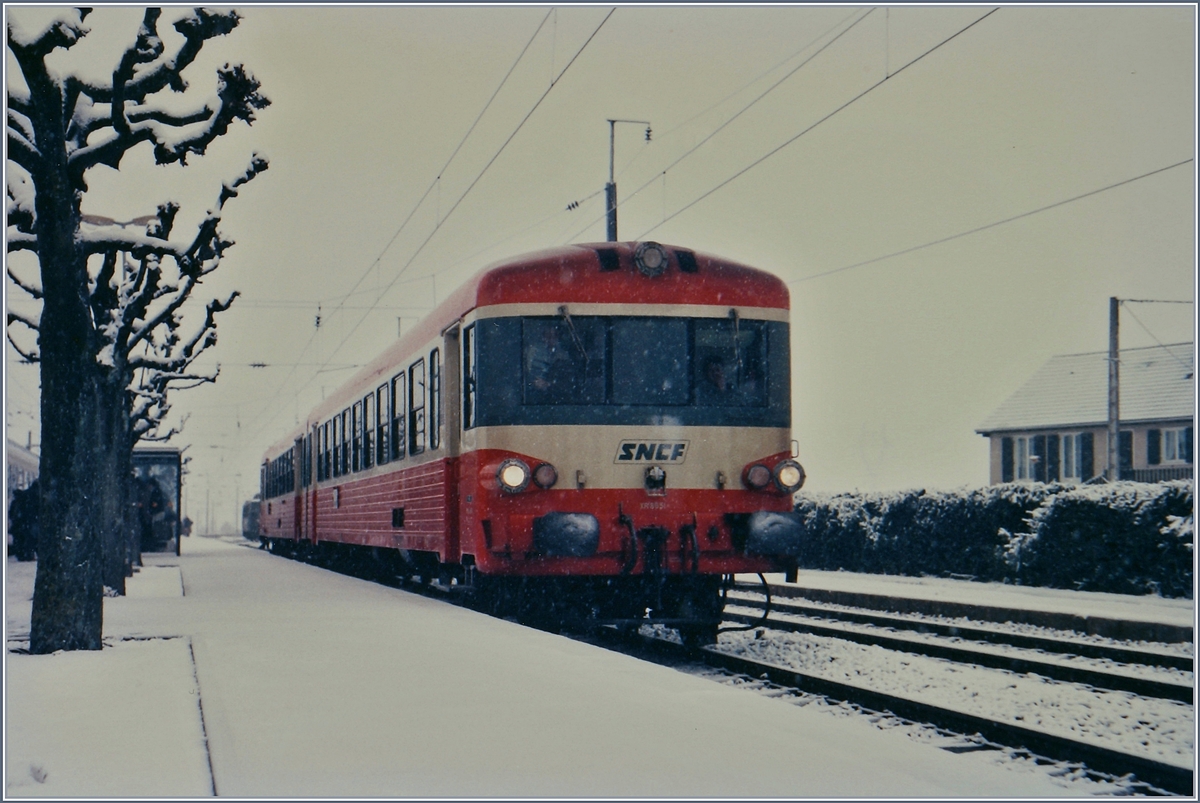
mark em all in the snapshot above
pixel 1114 388
pixel 610 189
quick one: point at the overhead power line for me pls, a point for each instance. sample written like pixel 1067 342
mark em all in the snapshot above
pixel 1124 301
pixel 659 176
pixel 845 105
pixel 992 225
pixel 450 211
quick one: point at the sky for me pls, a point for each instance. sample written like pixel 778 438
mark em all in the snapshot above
pixel 843 148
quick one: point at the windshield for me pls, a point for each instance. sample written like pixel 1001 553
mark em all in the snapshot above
pixel 617 369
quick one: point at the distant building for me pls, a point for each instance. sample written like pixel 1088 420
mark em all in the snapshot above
pixel 1055 427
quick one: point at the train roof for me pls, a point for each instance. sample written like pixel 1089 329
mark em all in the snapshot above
pixel 592 273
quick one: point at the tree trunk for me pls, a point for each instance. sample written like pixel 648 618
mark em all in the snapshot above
pixel 68 592
pixel 114 467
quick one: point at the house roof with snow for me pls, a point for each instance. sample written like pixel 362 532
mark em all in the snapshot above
pixel 1157 383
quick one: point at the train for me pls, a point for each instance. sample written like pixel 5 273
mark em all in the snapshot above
pixel 595 434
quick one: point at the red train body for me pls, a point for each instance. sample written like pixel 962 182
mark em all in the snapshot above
pixel 599 431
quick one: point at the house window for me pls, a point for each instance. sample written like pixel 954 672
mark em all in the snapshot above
pixel 1022 456
pixel 1072 456
pixel 1169 446
pixel 1172 443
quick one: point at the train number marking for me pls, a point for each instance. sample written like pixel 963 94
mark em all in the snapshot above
pixel 652 452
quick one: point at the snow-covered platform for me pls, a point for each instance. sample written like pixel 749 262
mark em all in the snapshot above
pixel 238 673
pixel 1139 618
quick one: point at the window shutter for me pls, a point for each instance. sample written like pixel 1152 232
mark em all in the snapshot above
pixel 1125 455
pixel 1086 461
pixel 1052 471
pixel 1153 446
pixel 1187 445
pixel 1037 448
pixel 1006 459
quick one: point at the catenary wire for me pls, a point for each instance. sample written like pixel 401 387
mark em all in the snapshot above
pixel 736 92
pixel 460 199
pixel 723 125
pixel 992 225
pixel 1155 339
pixel 845 105
pixel 406 220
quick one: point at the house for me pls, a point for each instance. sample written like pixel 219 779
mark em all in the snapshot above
pixel 1055 427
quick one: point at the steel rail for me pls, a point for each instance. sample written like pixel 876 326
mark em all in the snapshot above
pixel 1126 655
pixel 1168 777
pixel 1145 687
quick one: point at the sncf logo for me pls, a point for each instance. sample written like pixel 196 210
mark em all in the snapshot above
pixel 651 451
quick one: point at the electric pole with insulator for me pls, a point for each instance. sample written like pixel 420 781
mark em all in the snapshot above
pixel 610 189
pixel 1112 471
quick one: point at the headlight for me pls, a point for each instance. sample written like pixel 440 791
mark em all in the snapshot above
pixel 545 475
pixel 758 476
pixel 789 476
pixel 650 258
pixel 513 475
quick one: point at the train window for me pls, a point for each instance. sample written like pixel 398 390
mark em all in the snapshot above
pixel 306 472
pixel 368 430
pixel 337 446
pixel 382 418
pixel 563 360
pixel 650 361
pixel 328 451
pixel 318 463
pixel 435 399
pixel 469 359
pixel 398 417
pixel 730 363
pixel 356 442
pixel 345 427
pixel 416 407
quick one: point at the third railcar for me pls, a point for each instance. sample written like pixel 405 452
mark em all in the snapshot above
pixel 598 432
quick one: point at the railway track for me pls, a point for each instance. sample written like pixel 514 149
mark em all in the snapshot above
pixel 1151 776
pixel 1037 655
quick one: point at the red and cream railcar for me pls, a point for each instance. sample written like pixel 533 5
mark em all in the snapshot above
pixel 599 431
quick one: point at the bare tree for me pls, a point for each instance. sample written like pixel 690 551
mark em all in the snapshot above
pixel 99 327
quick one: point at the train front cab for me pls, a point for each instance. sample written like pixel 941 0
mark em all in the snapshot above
pixel 618 461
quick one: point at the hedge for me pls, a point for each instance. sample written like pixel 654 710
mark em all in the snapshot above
pixel 1125 537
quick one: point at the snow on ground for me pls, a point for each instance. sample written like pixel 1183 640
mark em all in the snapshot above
pixel 122 722
pixel 1162 730
pixel 1148 608
pixel 313 684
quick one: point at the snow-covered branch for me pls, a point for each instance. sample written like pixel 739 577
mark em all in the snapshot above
pixel 18 317
pixel 21 150
pixel 64 31
pixel 35 292
pixel 20 241
pixel 30 355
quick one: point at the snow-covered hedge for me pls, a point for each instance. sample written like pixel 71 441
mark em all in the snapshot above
pixel 1126 537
